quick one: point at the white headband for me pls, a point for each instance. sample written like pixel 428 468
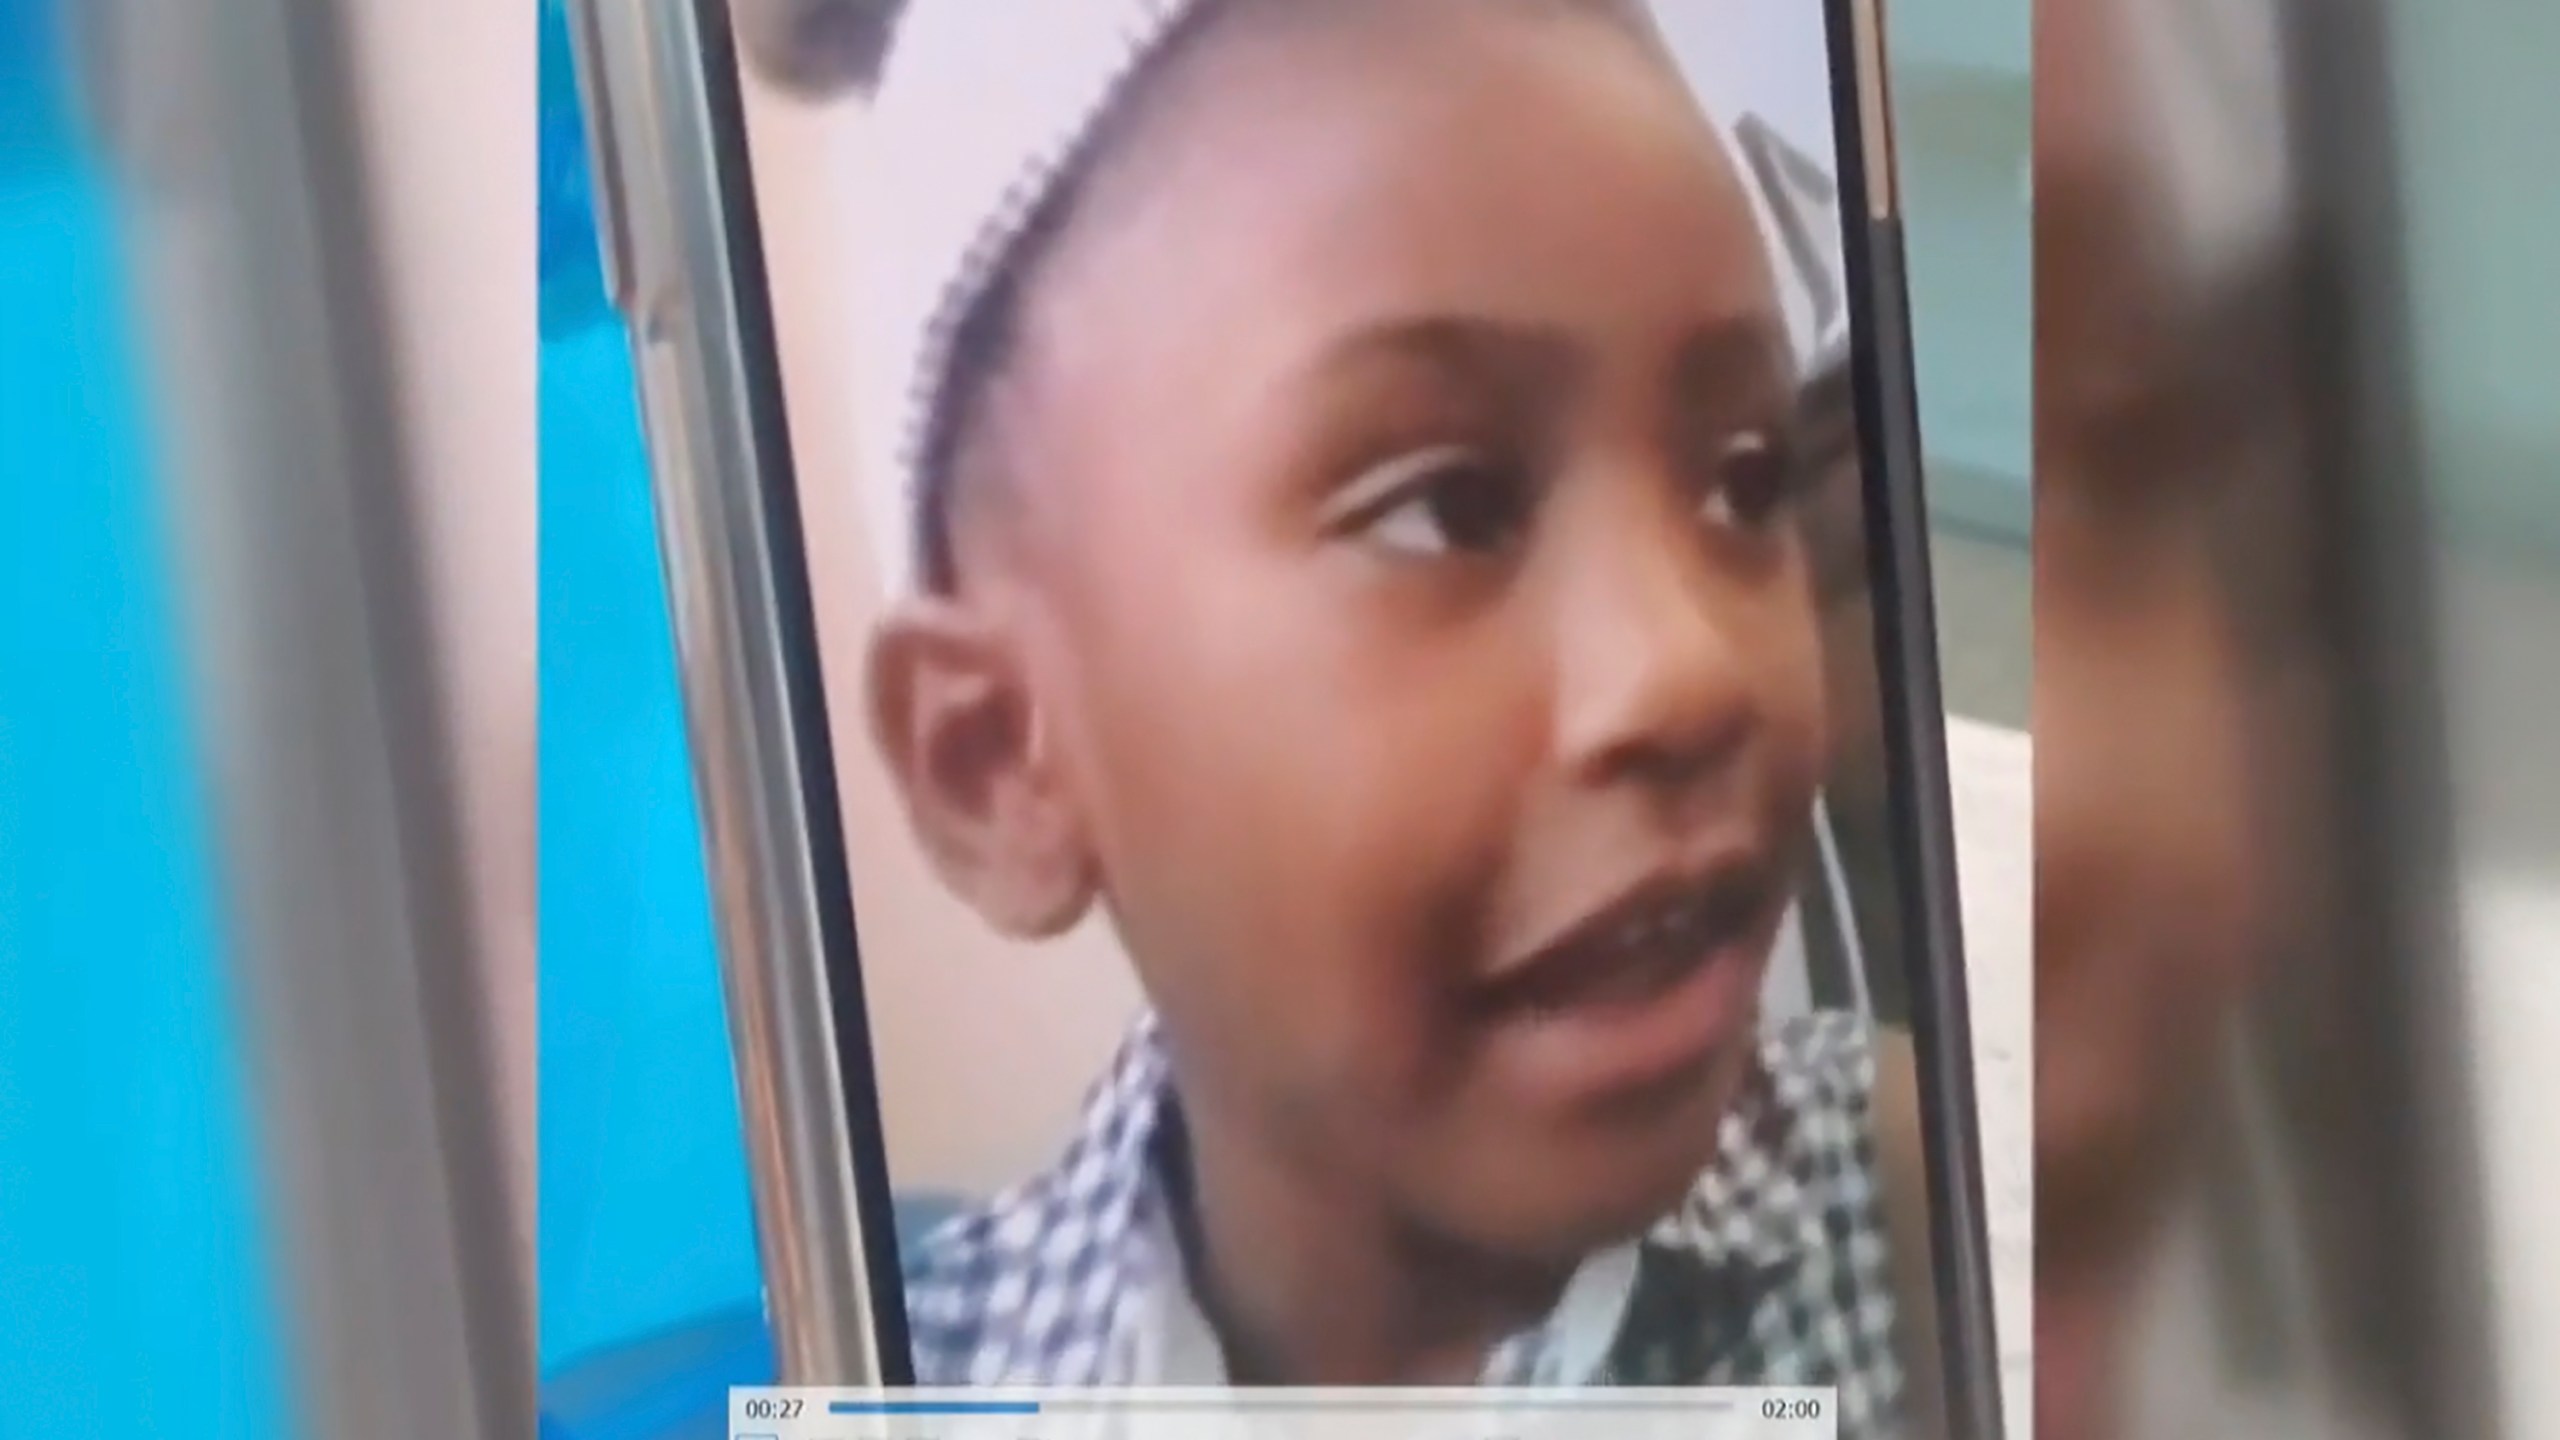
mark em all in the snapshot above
pixel 984 106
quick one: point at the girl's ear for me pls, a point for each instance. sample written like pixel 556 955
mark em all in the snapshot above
pixel 955 716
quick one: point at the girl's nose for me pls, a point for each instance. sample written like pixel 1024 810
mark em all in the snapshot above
pixel 1653 681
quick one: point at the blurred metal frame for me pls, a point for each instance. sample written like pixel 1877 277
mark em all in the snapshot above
pixel 683 262
pixel 2395 1219
pixel 409 1310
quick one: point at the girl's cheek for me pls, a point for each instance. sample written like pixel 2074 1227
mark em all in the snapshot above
pixel 1806 706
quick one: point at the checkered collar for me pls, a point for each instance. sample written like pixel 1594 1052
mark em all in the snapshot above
pixel 1734 1236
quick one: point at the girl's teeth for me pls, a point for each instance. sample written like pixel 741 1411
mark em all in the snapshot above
pixel 1658 928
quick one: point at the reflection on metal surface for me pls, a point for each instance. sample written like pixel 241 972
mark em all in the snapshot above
pixel 758 745
pixel 1875 108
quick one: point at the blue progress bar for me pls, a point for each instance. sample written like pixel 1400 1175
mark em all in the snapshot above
pixel 932 1407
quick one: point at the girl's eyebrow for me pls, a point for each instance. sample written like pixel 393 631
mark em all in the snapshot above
pixel 1502 355
pixel 1744 361
pixel 1750 346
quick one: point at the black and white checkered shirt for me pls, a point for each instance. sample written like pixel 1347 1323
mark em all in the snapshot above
pixel 1773 1271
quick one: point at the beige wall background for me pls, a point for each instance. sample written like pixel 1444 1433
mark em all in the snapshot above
pixel 983 1047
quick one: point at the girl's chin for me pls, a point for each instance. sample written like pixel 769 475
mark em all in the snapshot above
pixel 2078 1349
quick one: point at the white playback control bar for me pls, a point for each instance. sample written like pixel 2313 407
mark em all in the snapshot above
pixel 1163 1414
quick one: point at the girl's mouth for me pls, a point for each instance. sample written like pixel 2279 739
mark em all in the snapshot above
pixel 1647 988
pixel 1632 950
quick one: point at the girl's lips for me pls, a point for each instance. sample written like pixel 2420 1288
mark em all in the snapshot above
pixel 1646 989
pixel 1641 942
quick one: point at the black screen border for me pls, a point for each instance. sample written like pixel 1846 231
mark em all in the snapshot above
pixel 1921 822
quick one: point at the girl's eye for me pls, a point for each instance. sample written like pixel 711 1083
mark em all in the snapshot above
pixel 1444 501
pixel 1754 478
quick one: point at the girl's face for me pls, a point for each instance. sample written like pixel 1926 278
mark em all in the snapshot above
pixel 1412 597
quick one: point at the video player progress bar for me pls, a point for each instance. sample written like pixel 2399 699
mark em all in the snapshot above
pixel 1233 1401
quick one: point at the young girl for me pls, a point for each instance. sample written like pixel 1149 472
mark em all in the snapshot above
pixel 1349 458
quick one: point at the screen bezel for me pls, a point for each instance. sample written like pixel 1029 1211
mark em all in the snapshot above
pixel 830 871
pixel 1920 822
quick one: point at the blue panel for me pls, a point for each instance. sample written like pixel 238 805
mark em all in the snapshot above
pixel 674 1384
pixel 646 1221
pixel 34 115
pixel 134 1295
pixel 572 272
pixel 645 1216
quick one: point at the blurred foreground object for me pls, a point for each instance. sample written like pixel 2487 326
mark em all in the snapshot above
pixel 2280 1190
pixel 349 524
pixel 133 1260
pixel 817 49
